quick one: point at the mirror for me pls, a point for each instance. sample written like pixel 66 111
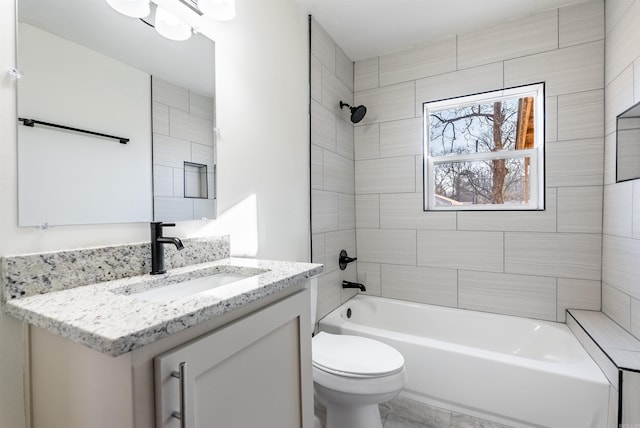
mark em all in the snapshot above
pixel 628 144
pixel 87 67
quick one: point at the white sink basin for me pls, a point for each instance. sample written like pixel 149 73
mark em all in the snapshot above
pixel 172 292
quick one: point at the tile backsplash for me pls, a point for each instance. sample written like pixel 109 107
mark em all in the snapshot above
pixel 30 274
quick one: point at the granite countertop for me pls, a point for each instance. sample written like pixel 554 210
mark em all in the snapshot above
pixel 110 318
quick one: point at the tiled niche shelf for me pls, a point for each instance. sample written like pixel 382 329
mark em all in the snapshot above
pixel 617 353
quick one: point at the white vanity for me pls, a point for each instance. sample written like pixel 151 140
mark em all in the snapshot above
pixel 112 354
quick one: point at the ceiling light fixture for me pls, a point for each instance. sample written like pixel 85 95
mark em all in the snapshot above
pixel 169 25
pixel 132 8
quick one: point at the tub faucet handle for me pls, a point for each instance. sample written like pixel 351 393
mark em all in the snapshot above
pixel 344 259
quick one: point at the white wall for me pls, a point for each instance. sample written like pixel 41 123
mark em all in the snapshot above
pixel 262 111
pixel 533 264
pixel 621 226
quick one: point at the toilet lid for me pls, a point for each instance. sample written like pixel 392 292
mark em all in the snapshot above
pixel 354 355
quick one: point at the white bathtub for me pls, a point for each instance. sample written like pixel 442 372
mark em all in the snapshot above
pixel 516 371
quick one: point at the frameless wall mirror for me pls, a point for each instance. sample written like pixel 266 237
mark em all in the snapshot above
pixel 86 67
pixel 628 144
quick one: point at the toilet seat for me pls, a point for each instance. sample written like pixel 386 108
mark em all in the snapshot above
pixel 355 356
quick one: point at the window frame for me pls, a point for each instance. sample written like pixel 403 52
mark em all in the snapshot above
pixel 536 154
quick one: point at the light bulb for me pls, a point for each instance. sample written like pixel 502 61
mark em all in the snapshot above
pixel 221 10
pixel 132 8
pixel 171 27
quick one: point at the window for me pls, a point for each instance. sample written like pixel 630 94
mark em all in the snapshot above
pixel 485 151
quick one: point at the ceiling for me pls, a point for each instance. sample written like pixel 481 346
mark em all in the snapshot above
pixel 369 28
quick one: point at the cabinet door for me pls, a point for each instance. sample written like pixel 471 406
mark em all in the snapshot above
pixel 255 372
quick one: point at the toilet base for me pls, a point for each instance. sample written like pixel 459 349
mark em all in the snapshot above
pixel 366 416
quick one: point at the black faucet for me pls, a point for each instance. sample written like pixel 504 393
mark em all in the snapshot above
pixel 157 251
pixel 349 284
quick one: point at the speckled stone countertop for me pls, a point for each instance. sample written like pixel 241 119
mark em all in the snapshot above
pixel 110 318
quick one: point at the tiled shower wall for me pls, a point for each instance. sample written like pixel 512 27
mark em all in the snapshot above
pixel 532 264
pixel 333 224
pixel 621 234
pixel 182 131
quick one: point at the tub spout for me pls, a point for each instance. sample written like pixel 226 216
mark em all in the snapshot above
pixel 349 284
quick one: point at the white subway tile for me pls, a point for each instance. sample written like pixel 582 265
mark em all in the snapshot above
pixel 420 284
pixel 577 294
pixel 568 255
pixel 623 43
pixel 636 78
pixel 390 175
pixel 617 305
pixel 346 211
pixel 429 59
pixel 190 127
pixel 635 215
pixel 401 138
pixel 618 98
pixel 366 74
pixel 551 119
pixel 334 243
pixel 329 292
pixel 610 152
pixel 458 83
pixel 333 92
pixel 512 221
pixel 419 160
pixel 323 46
pixel 317 248
pixel 581 23
pixel 366 141
pixel 169 94
pixel 202 154
pixel 162 180
pixel 160 118
pixel 204 208
pixel 344 68
pixel 345 139
pixel 172 209
pixel 620 267
pixel 170 151
pixel 317 167
pixel 368 211
pixel 201 105
pixel 573 69
pixel 520 295
pixel 525 36
pixel 369 275
pixel 387 246
pixel 635 318
pixel 562 168
pixel 178 182
pixel 481 251
pixel 324 213
pixel 581 115
pixel 388 103
pixel 338 173
pixel 618 209
pixel 316 79
pixel 580 209
pixel 323 127
pixel 405 211
pixel 614 9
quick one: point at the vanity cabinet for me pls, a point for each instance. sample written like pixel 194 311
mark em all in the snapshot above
pixel 248 368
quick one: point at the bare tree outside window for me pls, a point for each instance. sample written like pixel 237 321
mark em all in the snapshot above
pixel 481 153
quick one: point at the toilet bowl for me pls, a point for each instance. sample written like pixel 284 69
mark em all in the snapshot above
pixel 352 375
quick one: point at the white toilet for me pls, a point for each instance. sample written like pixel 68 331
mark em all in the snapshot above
pixel 352 375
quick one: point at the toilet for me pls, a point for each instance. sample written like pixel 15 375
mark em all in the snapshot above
pixel 352 375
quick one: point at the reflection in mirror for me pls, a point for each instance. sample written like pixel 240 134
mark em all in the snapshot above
pixel 628 144
pixel 86 66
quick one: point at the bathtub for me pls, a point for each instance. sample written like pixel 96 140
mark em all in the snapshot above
pixel 511 370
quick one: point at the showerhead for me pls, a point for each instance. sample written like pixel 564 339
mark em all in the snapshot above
pixel 357 113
